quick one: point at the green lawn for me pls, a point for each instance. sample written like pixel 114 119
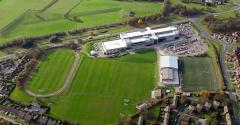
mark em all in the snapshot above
pixel 21 96
pixel 198 74
pixel 100 86
pixel 51 71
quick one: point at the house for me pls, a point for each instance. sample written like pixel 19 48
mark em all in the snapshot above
pixel 21 114
pixel 202 122
pixel 51 122
pixel 191 109
pixel 29 117
pixel 226 109
pixel 228 119
pixel 199 107
pixel 141 106
pixel 216 104
pixel 169 70
pixel 187 94
pixel 185 120
pixel 175 100
pixel 156 94
pixel 43 120
pixel 207 106
pixel 140 120
pixel 166 115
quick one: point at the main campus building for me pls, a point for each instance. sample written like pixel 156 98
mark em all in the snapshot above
pixel 145 37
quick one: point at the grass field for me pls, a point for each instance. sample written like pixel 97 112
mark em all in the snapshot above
pixel 51 71
pixel 65 15
pixel 97 93
pixel 11 9
pixel 100 86
pixel 198 74
pixel 218 8
pixel 89 12
pixel 21 96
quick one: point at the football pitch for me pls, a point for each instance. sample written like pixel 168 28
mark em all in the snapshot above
pixel 105 90
pixel 197 74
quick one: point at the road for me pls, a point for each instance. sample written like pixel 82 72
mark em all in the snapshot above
pixel 11 110
pixel 9 120
pixel 67 81
pixel 225 74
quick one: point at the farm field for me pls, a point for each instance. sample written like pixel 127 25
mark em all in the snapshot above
pixel 219 8
pixel 51 71
pixel 76 14
pixel 197 74
pixel 9 11
pixel 100 86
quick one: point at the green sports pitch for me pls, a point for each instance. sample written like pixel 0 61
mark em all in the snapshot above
pixel 104 90
pixel 197 74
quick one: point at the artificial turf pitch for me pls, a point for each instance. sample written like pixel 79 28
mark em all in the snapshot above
pixel 197 74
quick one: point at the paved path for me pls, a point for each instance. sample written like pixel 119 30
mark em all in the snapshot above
pixel 67 81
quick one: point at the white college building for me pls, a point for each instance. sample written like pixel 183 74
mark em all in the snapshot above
pixel 169 70
pixel 141 38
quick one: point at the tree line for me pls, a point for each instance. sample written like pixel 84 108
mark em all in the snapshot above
pixel 216 25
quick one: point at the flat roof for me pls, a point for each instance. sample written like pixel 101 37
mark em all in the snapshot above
pixel 160 35
pixel 170 28
pixel 148 31
pixel 169 62
pixel 115 44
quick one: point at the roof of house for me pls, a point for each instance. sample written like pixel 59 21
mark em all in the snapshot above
pixel 156 93
pixel 169 62
pixel 203 122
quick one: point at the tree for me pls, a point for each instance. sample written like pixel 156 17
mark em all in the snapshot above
pixel 28 44
pixel 166 8
pixel 54 39
pixel 140 21
pixel 205 94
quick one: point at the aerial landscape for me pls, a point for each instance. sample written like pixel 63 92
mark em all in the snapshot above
pixel 120 62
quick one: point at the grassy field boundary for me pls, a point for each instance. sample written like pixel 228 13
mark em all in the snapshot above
pixel 13 23
pixel 10 26
pixel 213 53
pixel 48 6
pixel 70 10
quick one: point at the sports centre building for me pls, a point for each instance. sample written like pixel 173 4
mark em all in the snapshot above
pixel 169 71
pixel 137 39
